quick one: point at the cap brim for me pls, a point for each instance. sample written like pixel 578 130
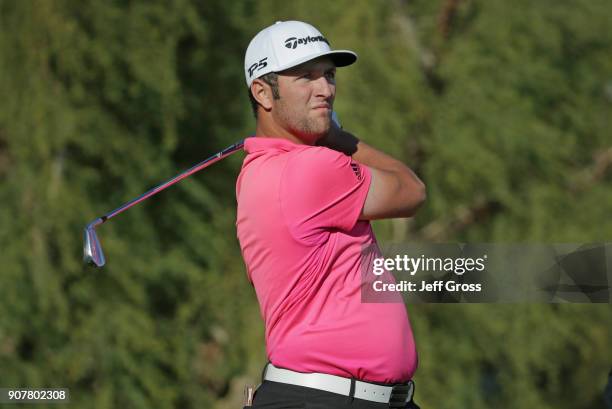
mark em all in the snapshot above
pixel 341 58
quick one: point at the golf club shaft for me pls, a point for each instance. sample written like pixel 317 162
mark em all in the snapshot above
pixel 206 162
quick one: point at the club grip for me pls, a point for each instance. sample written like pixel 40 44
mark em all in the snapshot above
pixel 336 120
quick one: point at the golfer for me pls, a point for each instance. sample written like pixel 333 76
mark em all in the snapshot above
pixel 306 193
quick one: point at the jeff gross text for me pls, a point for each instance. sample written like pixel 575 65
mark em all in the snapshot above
pixel 421 264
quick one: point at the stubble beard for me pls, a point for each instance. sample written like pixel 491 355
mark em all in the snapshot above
pixel 306 128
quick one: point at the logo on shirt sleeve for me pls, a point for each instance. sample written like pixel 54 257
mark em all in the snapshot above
pixel 357 171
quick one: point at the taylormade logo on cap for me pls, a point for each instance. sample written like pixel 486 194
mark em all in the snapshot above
pixel 287 44
pixel 293 42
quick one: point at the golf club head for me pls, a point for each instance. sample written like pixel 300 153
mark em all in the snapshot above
pixel 92 250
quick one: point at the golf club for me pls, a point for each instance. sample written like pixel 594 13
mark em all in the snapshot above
pixel 92 250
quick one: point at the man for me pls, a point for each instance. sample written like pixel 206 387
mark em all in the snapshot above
pixel 306 193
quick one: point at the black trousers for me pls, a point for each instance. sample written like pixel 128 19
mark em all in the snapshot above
pixel 275 395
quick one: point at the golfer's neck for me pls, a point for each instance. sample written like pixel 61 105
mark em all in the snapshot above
pixel 270 129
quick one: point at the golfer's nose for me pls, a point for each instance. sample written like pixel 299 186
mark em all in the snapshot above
pixel 325 88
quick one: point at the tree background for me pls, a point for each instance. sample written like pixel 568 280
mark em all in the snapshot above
pixel 503 108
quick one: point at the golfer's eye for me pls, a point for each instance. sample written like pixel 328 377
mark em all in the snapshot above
pixel 331 75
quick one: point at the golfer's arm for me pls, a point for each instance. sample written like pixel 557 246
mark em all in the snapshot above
pixel 395 191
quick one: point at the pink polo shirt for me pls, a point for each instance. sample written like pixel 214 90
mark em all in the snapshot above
pixel 301 240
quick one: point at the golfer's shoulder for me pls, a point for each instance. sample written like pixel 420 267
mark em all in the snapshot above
pixel 318 159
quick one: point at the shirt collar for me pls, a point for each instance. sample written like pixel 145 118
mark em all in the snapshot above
pixel 255 144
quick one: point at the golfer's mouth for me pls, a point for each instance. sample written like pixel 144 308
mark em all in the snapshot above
pixel 326 107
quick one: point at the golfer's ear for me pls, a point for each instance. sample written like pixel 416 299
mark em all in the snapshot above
pixel 262 93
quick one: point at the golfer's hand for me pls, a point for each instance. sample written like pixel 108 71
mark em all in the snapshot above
pixel 339 140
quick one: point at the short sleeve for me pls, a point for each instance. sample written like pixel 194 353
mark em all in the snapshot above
pixel 322 190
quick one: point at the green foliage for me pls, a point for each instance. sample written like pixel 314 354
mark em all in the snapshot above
pixel 501 107
pixel 512 356
pixel 95 98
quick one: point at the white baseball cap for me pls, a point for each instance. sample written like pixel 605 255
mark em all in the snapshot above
pixel 286 44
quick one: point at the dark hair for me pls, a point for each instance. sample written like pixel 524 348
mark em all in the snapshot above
pixel 271 79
